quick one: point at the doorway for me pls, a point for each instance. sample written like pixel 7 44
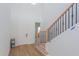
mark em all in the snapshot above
pixel 37 29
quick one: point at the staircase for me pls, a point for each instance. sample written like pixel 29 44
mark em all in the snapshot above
pixel 66 20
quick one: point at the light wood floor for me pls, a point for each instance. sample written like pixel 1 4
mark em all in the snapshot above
pixel 25 50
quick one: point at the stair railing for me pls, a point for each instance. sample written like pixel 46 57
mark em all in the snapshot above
pixel 66 20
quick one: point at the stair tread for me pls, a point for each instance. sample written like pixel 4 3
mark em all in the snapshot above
pixel 41 48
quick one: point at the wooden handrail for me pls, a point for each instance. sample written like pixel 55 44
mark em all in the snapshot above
pixel 57 18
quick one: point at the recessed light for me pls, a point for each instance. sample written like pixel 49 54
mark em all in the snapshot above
pixel 33 3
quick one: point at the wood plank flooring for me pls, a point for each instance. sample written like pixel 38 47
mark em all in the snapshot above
pixel 25 50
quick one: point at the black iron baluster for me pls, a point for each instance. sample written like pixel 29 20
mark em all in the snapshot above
pixel 72 15
pixel 53 31
pixel 68 18
pixel 56 27
pixel 49 34
pixel 60 25
pixel 65 21
pixel 76 13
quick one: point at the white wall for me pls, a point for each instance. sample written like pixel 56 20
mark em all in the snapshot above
pixel 67 44
pixel 23 18
pixel 4 29
pixel 22 21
